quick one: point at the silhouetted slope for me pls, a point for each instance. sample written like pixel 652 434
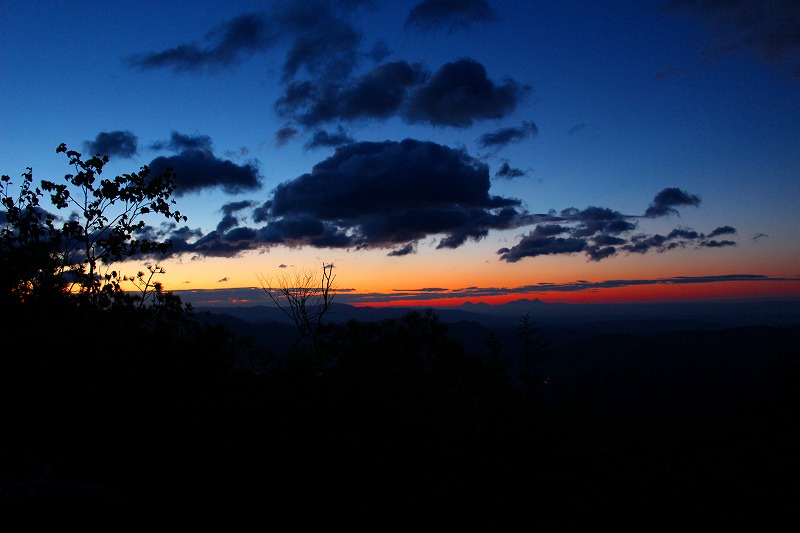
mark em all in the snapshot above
pixel 407 418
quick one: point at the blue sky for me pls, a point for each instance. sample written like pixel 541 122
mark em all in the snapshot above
pixel 453 145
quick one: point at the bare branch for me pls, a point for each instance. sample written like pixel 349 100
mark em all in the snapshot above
pixel 304 298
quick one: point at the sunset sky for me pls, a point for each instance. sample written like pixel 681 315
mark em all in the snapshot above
pixel 434 151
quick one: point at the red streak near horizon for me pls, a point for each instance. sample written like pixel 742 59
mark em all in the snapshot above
pixel 666 292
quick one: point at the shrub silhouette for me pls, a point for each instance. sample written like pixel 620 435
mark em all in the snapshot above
pixel 105 226
pixel 86 362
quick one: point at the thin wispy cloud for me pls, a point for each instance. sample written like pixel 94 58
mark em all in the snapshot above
pixel 571 287
pixel 226 45
pixel 506 171
pixel 769 30
pixel 449 14
pixel 322 138
pixel 505 136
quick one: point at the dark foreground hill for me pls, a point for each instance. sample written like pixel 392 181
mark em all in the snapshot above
pixel 633 424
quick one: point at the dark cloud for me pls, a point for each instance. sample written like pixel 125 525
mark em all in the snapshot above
pixel 179 142
pixel 424 289
pixel 409 248
pixel 665 201
pixel 453 14
pixel 601 233
pixel 379 52
pixel 577 128
pixel 243 151
pixel 226 46
pixel 594 220
pixel 196 167
pixel 229 210
pixel 393 195
pixel 381 91
pixel 768 29
pixel 508 172
pixel 460 93
pixel 718 244
pixel 320 41
pixel 641 244
pixel 323 43
pixel 598 253
pixel 117 143
pixel 722 230
pixel 607 240
pixel 549 230
pixel 284 135
pixel 683 234
pixel 374 195
pixel 532 246
pixel 323 138
pixel 504 136
pixel 390 193
pixel 378 94
pixel 374 177
pixel 457 95
pixel 323 49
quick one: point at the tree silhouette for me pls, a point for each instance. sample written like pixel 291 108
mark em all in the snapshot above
pixel 42 259
pixel 533 347
pixel 305 299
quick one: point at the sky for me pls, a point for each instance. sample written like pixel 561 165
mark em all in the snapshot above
pixel 433 151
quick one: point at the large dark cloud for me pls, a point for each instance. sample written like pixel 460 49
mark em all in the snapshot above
pixel 460 93
pixel 390 193
pixel 770 29
pixel 117 143
pixel 387 195
pixel 601 233
pixel 457 95
pixel 453 14
pixel 196 167
pixel 378 94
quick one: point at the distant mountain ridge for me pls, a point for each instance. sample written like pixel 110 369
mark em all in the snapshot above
pixel 704 314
